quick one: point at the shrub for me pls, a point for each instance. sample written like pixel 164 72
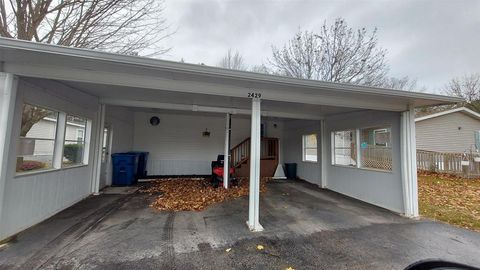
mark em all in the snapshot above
pixel 73 152
pixel 29 165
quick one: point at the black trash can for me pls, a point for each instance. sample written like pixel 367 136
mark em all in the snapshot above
pixel 291 170
pixel 141 170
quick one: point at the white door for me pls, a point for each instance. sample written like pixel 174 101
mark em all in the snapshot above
pixel 105 169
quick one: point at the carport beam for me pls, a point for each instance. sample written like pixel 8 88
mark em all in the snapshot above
pixel 254 195
pixel 98 149
pixel 226 157
pixel 7 110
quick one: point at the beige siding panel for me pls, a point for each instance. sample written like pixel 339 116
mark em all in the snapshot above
pixel 453 133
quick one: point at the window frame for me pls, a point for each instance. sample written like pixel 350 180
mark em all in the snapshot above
pixel 84 158
pixel 82 132
pixel 54 140
pixel 304 148
pixel 375 128
pixel 358 147
pixel 60 132
pixel 333 148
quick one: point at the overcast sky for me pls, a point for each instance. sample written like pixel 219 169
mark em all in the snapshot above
pixel 432 41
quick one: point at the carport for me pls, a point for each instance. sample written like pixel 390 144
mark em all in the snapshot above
pixel 364 144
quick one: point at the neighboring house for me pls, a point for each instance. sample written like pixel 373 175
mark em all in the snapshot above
pixel 452 131
pixel 45 127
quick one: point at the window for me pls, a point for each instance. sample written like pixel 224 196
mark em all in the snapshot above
pixel 74 146
pixel 80 134
pixel 376 148
pixel 345 151
pixel 36 144
pixel 310 148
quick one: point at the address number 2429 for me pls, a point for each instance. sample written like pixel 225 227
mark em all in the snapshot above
pixel 254 95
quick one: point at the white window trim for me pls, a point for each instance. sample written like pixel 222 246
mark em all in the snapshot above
pixel 385 127
pixel 357 138
pixel 84 140
pixel 304 148
pixel 80 134
pixel 358 148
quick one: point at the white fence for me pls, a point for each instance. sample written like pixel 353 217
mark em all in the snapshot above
pixel 464 164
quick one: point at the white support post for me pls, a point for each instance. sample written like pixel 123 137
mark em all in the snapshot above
pixel 358 147
pixel 98 149
pixel 409 163
pixel 254 195
pixel 324 153
pixel 9 83
pixel 88 142
pixel 60 140
pixel 226 157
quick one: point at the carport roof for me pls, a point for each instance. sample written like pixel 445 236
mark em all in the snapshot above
pixel 47 61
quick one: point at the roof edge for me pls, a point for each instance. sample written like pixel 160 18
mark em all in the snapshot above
pixel 461 109
pixel 212 71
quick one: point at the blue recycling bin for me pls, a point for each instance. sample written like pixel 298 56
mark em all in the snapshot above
pixel 141 170
pixel 124 169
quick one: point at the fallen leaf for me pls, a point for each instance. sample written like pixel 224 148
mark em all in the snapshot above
pixel 228 249
pixel 193 194
pixel 290 268
pixel 260 247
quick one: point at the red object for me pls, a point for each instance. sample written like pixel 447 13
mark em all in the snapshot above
pixel 218 171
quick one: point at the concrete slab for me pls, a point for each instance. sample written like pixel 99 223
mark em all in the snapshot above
pixel 305 227
pixel 119 190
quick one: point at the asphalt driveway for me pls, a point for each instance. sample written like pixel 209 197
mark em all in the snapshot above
pixel 305 228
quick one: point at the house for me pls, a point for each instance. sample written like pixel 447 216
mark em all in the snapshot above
pixel 32 148
pixel 451 131
pixel 354 140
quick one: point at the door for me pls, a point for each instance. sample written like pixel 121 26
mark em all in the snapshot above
pixel 105 168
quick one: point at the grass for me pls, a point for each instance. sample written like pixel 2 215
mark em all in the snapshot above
pixel 450 199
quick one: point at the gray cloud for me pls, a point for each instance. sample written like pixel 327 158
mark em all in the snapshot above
pixel 431 40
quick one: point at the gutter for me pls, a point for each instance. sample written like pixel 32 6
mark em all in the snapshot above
pixel 213 71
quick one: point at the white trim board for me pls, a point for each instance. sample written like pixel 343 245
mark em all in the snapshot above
pixel 461 109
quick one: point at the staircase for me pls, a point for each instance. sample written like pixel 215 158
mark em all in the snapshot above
pixel 240 157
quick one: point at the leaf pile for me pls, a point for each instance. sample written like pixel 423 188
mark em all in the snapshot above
pixel 187 194
pixel 450 198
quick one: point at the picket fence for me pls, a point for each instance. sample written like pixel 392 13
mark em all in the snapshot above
pixel 463 164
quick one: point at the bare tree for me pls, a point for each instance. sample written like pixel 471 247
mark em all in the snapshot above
pixel 30 116
pixel 338 53
pixel 403 83
pixel 121 26
pixel 232 60
pixel 466 87
pixel 262 68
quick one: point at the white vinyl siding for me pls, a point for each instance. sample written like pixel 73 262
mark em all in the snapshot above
pixel 176 145
pixel 31 198
pixel 442 133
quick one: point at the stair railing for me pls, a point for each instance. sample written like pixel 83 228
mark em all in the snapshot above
pixel 240 153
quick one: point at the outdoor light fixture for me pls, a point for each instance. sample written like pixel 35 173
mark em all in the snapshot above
pixel 154 121
pixel 206 133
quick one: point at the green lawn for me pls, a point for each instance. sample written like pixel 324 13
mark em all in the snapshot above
pixel 450 199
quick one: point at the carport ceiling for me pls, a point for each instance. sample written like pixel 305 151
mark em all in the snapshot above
pixel 111 93
pixel 123 95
